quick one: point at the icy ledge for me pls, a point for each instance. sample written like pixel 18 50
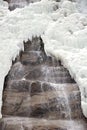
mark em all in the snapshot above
pixel 64 32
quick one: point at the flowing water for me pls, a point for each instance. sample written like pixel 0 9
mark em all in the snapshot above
pixel 39 94
pixel 51 74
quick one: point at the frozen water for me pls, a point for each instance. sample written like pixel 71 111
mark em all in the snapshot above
pixel 82 5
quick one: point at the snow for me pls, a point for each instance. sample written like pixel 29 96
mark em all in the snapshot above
pixel 82 5
pixel 63 28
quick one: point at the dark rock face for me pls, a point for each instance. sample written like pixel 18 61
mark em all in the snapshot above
pixel 13 4
pixel 39 93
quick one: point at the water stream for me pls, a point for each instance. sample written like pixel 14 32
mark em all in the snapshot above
pixel 51 74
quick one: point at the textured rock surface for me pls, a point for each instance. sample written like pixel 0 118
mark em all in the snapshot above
pixel 17 123
pixel 13 4
pixel 39 94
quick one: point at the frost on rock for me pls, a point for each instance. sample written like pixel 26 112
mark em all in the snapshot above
pixel 63 29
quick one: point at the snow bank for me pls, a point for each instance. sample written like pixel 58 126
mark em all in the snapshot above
pixel 63 29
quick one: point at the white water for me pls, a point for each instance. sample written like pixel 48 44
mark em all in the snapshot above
pixel 51 77
pixel 67 102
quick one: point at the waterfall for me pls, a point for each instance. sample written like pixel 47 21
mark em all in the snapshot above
pixel 51 76
pixel 39 93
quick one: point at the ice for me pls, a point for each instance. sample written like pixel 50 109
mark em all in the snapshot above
pixel 63 28
pixel 82 5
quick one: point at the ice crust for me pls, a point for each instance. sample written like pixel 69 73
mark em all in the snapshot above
pixel 63 28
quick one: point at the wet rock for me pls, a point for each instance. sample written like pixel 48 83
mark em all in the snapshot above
pixel 36 88
pixel 35 74
pixel 32 58
pixel 52 61
pixel 38 103
pixel 13 4
pixel 17 71
pixel 18 85
pixel 16 123
pixel 35 45
pixel 39 111
pixel 39 87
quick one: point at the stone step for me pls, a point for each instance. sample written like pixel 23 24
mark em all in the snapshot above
pixel 38 57
pixel 35 87
pixel 18 71
pixel 44 104
pixel 17 123
pixel 38 73
pixel 49 74
pixel 56 80
pixel 56 69
pixel 32 58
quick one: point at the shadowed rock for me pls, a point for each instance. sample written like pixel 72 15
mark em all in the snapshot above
pixel 13 4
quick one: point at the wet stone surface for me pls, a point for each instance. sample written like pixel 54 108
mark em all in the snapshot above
pixel 39 92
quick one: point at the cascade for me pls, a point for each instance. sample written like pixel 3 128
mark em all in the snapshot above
pixel 39 93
